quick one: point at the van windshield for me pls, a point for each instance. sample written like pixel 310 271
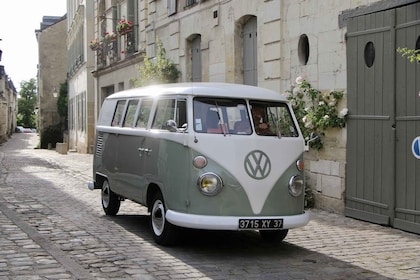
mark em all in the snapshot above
pixel 272 119
pixel 221 116
pixel 231 116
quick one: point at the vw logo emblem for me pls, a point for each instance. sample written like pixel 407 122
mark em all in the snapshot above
pixel 257 165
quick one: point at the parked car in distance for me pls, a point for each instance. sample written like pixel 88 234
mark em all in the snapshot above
pixel 21 129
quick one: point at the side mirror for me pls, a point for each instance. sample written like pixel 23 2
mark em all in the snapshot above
pixel 171 126
pixel 184 127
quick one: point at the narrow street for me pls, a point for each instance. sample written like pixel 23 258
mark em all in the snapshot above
pixel 53 227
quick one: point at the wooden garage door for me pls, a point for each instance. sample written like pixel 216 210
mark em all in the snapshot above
pixel 407 183
pixel 382 181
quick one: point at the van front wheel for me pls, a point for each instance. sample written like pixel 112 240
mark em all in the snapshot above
pixel 110 201
pixel 164 232
pixel 273 235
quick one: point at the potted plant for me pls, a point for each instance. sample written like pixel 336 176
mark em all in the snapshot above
pixel 124 26
pixel 110 36
pixel 94 44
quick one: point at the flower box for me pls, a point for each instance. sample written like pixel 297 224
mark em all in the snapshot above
pixel 110 36
pixel 95 44
pixel 124 27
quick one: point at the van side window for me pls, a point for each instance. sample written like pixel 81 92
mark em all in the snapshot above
pixel 171 114
pixel 119 110
pixel 131 111
pixel 144 113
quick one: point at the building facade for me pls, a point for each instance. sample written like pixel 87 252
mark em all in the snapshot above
pixel 80 64
pixel 52 54
pixel 8 106
pixel 268 43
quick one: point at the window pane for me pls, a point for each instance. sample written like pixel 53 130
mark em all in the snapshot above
pixel 131 111
pixel 144 112
pixel 181 113
pixel 174 110
pixel 116 120
pixel 221 116
pixel 272 119
pixel 165 111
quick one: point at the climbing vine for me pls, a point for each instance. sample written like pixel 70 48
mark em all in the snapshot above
pixel 316 111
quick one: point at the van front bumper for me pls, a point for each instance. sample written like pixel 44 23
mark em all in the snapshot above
pixel 229 222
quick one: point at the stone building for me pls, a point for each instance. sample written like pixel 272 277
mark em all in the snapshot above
pixel 269 43
pixel 52 57
pixel 81 85
pixel 8 106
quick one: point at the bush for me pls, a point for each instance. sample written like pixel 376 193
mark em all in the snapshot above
pixel 158 71
pixel 51 134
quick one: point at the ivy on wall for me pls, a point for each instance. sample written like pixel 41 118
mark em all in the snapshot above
pixel 316 111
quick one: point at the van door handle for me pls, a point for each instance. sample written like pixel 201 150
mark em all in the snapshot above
pixel 144 151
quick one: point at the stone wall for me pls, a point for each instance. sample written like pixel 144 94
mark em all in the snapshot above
pixel 52 57
pixel 326 69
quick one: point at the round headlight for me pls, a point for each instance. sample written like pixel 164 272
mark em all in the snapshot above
pixel 209 184
pixel 296 185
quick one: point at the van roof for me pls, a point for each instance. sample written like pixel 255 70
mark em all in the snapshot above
pixel 202 89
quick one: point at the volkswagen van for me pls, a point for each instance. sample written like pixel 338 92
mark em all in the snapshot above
pixel 210 156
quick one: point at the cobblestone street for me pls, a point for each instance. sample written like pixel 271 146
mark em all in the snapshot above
pixel 53 227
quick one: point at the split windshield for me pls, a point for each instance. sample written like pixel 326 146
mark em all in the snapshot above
pixel 237 116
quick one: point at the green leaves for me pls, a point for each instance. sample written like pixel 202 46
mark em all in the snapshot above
pixel 412 55
pixel 157 71
pixel 62 100
pixel 26 116
pixel 316 111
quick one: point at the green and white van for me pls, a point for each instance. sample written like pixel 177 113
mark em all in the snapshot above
pixel 197 155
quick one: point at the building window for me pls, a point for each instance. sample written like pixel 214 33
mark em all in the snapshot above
pixel 369 54
pixel 171 7
pixel 189 3
pixel 303 49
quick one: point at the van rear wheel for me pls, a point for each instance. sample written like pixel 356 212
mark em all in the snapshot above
pixel 273 235
pixel 164 233
pixel 110 201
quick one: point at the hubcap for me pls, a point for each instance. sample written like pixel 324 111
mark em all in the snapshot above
pixel 105 194
pixel 158 217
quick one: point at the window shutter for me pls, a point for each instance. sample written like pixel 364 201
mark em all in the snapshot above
pixel 171 7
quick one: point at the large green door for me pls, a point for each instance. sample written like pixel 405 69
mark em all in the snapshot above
pixel 407 183
pixel 383 181
pixel 370 134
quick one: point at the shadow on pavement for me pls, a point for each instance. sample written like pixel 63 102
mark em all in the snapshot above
pixel 243 255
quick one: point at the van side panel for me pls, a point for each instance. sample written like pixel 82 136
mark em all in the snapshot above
pixel 131 183
pixel 105 157
pixel 173 173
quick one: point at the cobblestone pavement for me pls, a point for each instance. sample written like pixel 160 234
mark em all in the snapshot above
pixel 53 227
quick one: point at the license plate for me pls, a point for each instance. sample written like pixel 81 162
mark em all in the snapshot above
pixel 260 223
